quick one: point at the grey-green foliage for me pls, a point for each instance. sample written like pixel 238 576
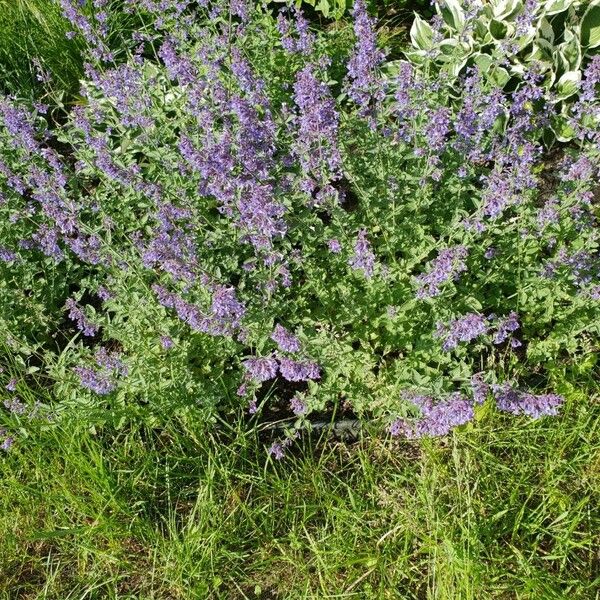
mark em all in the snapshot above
pixel 507 38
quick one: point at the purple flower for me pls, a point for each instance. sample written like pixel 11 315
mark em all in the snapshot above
pixel 15 406
pixel 261 369
pixel 437 129
pixel 363 258
pixel 11 386
pixel 7 255
pixel 505 327
pixel 364 83
pixel 105 294
pixel 286 341
pixel 523 403
pixel 448 264
pixel 480 388
pixel 103 379
pixel 277 450
pixel 298 405
pixel 227 310
pixel 6 440
pixel 436 419
pixel 304 43
pixel 461 329
pixel 99 382
pixel 298 370
pixel 316 143
pixel 334 246
pixel 166 342
pixel 548 214
pixel 83 324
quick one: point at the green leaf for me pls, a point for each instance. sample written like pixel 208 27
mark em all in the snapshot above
pixel 504 9
pixel 421 34
pixel 500 76
pixel 571 53
pixel 590 26
pixel 449 46
pixel 498 29
pixel 568 84
pixel 546 30
pixel 554 7
pixel 324 7
pixel 483 61
pixel 452 13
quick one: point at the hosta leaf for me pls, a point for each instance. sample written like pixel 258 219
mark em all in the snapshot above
pixel 546 31
pixel 498 29
pixel 500 76
pixel 590 26
pixel 483 61
pixel 449 46
pixel 568 84
pixel 554 7
pixel 417 57
pixel 561 64
pixel 562 130
pixel 452 13
pixel 571 52
pixel 421 34
pixel 505 9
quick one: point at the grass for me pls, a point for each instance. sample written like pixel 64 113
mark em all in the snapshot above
pixel 35 30
pixel 508 509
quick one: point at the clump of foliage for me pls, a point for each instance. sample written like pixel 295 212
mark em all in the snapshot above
pixel 244 210
pixel 508 39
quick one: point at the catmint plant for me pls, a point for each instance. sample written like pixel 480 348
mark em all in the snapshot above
pixel 245 210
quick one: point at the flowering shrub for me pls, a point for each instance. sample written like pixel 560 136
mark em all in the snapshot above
pixel 243 210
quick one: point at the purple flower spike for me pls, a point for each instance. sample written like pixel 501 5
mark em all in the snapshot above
pixel 462 329
pixel 436 419
pixel 480 388
pixel 261 369
pixel 364 83
pixel 316 144
pixel 298 405
pixel 334 246
pixel 6 441
pixel 76 314
pixel 523 403
pixel 363 258
pixel 298 370
pixel 101 383
pixel 277 450
pixel 505 327
pixel 448 264
pixel 286 341
pixel 166 342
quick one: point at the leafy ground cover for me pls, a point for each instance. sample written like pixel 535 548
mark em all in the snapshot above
pixel 250 216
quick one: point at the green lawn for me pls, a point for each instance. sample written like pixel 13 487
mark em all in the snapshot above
pixel 507 509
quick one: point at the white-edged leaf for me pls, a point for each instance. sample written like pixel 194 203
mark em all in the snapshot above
pixel 546 30
pixel 504 9
pixel 553 7
pixel 590 26
pixel 421 34
pixel 452 13
pixel 568 84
